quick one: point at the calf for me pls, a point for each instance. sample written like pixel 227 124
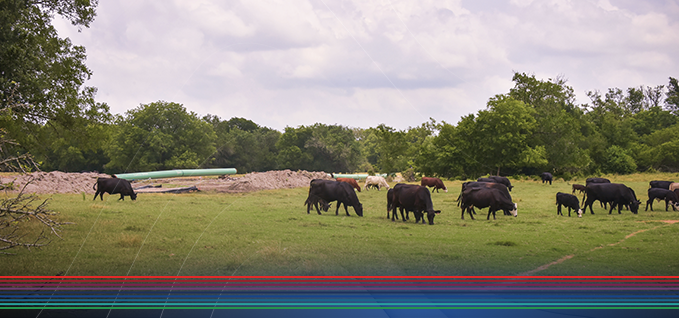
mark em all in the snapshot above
pixel 113 186
pixel 568 200
pixel 578 187
pixel 662 194
pixel 546 176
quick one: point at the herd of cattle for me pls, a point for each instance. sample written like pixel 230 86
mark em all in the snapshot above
pixel 491 192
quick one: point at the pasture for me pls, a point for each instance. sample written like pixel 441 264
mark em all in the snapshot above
pixel 270 233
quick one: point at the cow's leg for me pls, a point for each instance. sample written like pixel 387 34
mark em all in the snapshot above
pixel 95 195
pixel 558 209
pixel 347 210
pixel 667 205
pixel 650 201
pixel 122 197
pixel 569 211
pixel 393 213
pixel 404 217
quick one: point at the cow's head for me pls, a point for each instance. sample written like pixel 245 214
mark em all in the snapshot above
pixel 359 209
pixel 515 212
pixel 634 206
pixel 133 196
pixel 676 205
pixel 431 215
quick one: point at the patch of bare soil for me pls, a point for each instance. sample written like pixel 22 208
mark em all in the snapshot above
pixel 55 182
pixel 256 181
pixel 62 182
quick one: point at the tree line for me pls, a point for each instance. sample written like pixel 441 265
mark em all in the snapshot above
pixel 535 127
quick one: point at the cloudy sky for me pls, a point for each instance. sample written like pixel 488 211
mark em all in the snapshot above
pixel 364 63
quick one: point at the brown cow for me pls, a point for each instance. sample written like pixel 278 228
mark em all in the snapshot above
pixel 578 187
pixel 350 181
pixel 433 182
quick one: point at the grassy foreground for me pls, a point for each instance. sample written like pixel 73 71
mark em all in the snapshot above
pixel 270 233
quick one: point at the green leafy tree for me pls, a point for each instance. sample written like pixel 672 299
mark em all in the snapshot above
pixel 672 96
pixel 392 146
pixel 320 147
pixel 558 132
pixel 57 118
pixel 244 145
pixel 159 136
pixel 505 130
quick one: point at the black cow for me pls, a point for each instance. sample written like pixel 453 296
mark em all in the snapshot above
pixel 482 197
pixel 615 193
pixel 662 194
pixel 482 184
pixel 546 176
pixel 327 190
pixel 497 179
pixel 568 200
pixel 661 184
pixel 413 198
pixel 596 180
pixel 113 186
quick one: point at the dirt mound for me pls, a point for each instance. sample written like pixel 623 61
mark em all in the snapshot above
pixel 55 182
pixel 61 182
pixel 275 180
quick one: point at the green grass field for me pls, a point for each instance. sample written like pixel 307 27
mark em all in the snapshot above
pixel 270 233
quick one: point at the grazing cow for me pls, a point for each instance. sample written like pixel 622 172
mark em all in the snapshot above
pixel 662 194
pixel 433 182
pixel 376 180
pixel 498 186
pixel 497 179
pixel 568 200
pixel 482 197
pixel 596 180
pixel 546 176
pixel 113 186
pixel 578 187
pixel 351 182
pixel 661 184
pixel 615 193
pixel 327 190
pixel 413 198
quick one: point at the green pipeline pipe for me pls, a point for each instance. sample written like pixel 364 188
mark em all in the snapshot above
pixel 356 176
pixel 176 173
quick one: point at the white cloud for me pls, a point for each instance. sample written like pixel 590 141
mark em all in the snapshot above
pixel 362 63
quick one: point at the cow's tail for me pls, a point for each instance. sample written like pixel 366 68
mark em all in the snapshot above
pixel 94 186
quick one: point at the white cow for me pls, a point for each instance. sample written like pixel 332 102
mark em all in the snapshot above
pixel 375 180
